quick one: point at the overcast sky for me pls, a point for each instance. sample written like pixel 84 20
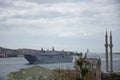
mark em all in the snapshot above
pixel 75 25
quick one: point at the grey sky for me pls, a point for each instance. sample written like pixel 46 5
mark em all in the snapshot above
pixel 65 24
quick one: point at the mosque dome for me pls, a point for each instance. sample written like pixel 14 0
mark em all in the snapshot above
pixel 92 55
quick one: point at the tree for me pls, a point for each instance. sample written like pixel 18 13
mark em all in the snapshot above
pixel 81 66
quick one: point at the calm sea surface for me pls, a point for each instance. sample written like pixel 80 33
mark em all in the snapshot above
pixel 8 65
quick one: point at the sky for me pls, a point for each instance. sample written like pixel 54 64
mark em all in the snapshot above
pixel 72 25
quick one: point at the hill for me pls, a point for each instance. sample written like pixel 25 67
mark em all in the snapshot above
pixel 16 52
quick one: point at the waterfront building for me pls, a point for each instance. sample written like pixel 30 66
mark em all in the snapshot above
pixel 93 63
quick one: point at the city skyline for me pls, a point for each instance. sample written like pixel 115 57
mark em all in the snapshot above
pixel 74 25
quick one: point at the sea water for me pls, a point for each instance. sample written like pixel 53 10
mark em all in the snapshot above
pixel 13 64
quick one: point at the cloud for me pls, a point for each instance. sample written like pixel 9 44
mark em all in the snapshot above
pixel 58 18
pixel 5 3
pixel 54 1
pixel 42 10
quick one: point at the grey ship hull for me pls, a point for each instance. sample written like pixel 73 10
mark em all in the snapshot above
pixel 48 58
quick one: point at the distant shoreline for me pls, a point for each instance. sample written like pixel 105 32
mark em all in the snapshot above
pixel 117 53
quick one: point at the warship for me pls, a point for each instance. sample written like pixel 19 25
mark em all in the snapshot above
pixel 51 56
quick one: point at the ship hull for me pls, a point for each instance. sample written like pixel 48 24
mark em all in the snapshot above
pixel 48 59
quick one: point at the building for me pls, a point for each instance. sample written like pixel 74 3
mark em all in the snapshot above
pixel 93 63
pixel 89 66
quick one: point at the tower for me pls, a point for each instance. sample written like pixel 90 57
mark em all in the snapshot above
pixel 111 45
pixel 53 49
pixel 106 50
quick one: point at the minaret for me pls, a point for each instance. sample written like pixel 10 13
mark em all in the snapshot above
pixel 111 45
pixel 106 50
pixel 53 49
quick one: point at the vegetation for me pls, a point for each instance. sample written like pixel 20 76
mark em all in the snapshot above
pixel 111 76
pixel 40 73
pixel 81 67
